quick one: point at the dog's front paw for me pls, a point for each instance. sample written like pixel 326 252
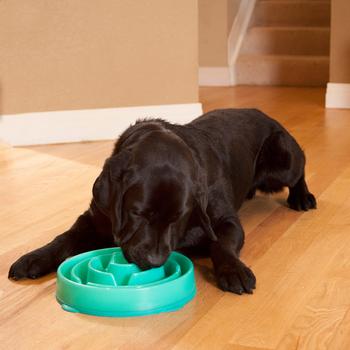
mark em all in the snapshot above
pixel 236 278
pixel 31 265
pixel 302 201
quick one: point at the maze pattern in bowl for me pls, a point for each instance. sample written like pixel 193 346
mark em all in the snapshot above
pixel 103 283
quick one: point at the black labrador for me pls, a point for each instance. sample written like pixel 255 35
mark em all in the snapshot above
pixel 167 187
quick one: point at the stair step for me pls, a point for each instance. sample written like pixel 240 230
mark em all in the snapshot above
pixel 287 41
pixel 284 70
pixel 291 13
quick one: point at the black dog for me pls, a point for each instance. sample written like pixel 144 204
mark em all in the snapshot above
pixel 168 187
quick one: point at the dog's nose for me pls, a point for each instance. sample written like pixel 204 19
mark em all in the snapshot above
pixel 156 260
pixel 145 261
pixel 116 240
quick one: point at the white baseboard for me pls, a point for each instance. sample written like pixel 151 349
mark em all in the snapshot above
pixel 86 125
pixel 338 95
pixel 214 76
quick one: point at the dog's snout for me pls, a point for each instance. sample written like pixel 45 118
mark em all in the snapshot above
pixel 156 260
pixel 116 240
pixel 146 261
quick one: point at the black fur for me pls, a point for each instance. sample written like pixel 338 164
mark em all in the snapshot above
pixel 168 187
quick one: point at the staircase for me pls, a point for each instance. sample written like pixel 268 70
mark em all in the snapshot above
pixel 287 43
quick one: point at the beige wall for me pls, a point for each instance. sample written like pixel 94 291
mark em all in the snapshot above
pixel 215 22
pixel 80 54
pixel 340 42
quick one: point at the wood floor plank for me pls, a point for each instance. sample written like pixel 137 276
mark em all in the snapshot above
pixel 323 322
pixel 340 338
pixel 92 153
pixel 34 198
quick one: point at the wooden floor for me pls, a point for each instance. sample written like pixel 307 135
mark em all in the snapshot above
pixel 301 260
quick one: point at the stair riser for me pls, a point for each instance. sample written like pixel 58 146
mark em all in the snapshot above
pixel 286 42
pixel 285 72
pixel 291 13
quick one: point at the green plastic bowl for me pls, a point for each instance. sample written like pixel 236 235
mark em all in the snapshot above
pixel 102 283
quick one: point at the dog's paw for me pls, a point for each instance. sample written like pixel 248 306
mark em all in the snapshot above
pixel 251 194
pixel 31 265
pixel 302 201
pixel 236 278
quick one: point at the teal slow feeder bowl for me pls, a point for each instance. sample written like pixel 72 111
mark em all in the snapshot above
pixel 102 283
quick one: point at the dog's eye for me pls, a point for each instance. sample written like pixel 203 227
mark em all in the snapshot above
pixel 175 217
pixel 146 214
pixel 135 212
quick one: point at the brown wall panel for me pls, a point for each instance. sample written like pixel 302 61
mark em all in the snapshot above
pixel 81 54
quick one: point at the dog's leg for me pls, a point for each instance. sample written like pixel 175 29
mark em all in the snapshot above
pixel 281 163
pixel 81 237
pixel 299 196
pixel 231 273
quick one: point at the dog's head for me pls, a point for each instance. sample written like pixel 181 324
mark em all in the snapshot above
pixel 149 191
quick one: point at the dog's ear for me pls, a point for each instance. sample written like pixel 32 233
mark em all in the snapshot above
pixel 201 199
pixel 118 164
pixel 109 185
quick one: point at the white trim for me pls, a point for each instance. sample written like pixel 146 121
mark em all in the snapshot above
pixel 237 33
pixel 338 95
pixel 214 76
pixel 86 125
